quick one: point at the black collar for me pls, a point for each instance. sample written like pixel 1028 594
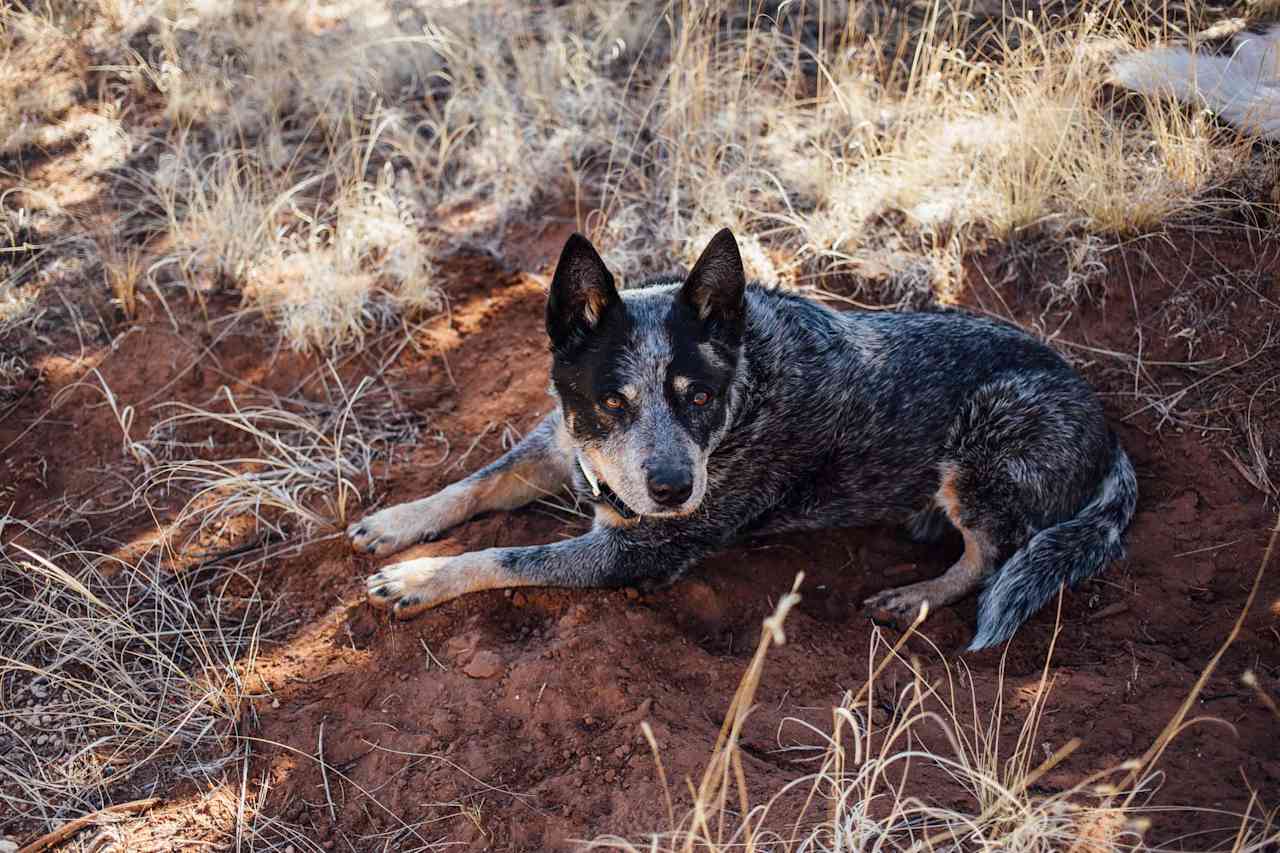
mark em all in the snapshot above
pixel 608 497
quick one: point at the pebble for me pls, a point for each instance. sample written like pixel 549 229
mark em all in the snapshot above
pixel 7 846
pixel 483 665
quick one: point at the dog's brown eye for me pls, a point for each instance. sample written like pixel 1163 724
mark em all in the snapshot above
pixel 700 397
pixel 613 401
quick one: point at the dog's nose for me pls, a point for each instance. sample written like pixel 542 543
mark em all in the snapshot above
pixel 670 486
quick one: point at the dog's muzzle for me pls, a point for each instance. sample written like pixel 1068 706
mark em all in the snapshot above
pixel 601 492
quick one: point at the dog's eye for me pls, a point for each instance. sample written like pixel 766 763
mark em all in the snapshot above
pixel 700 397
pixel 613 402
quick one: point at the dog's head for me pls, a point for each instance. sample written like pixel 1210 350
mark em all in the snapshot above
pixel 646 378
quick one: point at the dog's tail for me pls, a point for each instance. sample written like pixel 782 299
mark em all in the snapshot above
pixel 1243 88
pixel 1069 552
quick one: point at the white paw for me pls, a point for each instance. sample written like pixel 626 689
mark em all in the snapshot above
pixel 406 587
pixel 393 529
pixel 413 586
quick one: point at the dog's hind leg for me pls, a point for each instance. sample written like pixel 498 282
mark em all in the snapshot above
pixel 537 466
pixel 981 557
pixel 929 525
pixel 1025 466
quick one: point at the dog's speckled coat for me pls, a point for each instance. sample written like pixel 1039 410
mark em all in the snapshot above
pixel 708 409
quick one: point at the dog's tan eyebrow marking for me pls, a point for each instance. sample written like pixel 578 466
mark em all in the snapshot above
pixel 680 383
pixel 629 391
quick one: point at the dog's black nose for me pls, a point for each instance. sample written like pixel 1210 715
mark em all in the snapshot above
pixel 670 486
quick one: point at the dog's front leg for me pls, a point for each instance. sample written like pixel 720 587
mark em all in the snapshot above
pixel 539 465
pixel 604 557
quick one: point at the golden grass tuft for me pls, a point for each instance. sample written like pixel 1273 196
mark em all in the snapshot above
pixel 870 789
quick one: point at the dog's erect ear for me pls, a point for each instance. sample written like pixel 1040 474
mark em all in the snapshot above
pixel 581 292
pixel 715 287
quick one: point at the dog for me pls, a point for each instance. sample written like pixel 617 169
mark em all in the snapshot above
pixel 693 411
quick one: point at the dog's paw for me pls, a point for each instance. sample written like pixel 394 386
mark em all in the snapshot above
pixel 413 586
pixel 410 587
pixel 392 529
pixel 900 607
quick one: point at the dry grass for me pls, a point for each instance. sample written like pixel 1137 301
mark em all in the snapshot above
pixel 321 165
pixel 127 670
pixel 875 770
pixel 299 465
pixel 115 675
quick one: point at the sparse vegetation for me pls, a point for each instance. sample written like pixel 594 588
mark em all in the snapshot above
pixel 305 175
pixel 871 788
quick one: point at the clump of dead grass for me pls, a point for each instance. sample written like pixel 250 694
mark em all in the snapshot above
pixel 321 162
pixel 820 155
pixel 295 468
pixel 873 767
pixel 108 664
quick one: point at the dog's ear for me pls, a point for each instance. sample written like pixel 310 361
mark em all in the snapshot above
pixel 715 287
pixel 581 292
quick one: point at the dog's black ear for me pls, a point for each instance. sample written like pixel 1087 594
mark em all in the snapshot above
pixel 581 292
pixel 715 287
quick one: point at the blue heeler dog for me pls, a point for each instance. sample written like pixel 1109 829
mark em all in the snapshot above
pixel 691 413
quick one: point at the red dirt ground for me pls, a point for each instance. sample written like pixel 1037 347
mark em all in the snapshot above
pixel 530 735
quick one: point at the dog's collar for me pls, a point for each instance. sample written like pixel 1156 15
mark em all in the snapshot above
pixel 601 493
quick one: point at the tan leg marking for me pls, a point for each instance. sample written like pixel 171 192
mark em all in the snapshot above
pixel 413 586
pixel 902 604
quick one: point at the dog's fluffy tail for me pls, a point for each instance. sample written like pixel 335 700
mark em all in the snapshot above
pixel 1243 88
pixel 1069 552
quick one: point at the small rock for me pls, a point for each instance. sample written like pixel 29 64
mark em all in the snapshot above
pixel 483 665
pixel 275 703
pixel 519 599
pixel 610 776
pixel 7 846
pixel 632 593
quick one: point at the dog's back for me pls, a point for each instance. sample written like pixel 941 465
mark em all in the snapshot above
pixel 905 417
